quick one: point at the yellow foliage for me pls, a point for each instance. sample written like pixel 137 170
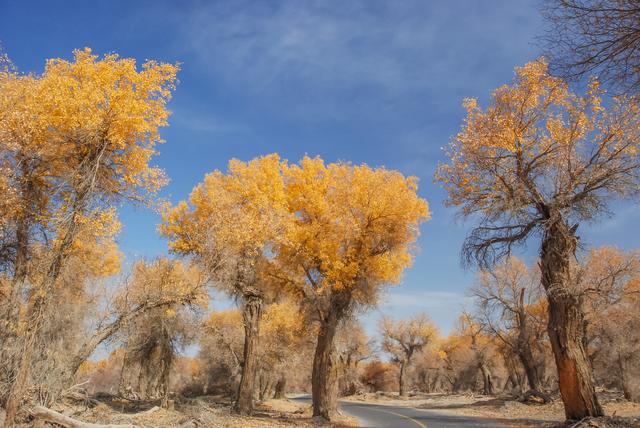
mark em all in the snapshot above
pixel 165 280
pixel 283 323
pixel 353 226
pixel 75 105
pixel 231 318
pixel 231 221
pixel 538 146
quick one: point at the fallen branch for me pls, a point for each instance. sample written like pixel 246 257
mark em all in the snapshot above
pixel 535 396
pixel 82 397
pixel 146 412
pixel 49 415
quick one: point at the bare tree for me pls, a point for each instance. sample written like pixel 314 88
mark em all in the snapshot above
pixel 595 37
pixel 405 338
pixel 610 281
pixel 504 294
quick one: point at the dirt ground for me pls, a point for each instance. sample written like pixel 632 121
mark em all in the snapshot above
pixel 199 412
pixel 509 411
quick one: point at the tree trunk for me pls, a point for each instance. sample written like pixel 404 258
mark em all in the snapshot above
pixel 525 354
pixel 528 363
pixel 487 380
pixel 627 388
pixel 252 314
pixel 281 387
pixel 401 387
pixel 324 386
pixel 566 320
pixel 36 314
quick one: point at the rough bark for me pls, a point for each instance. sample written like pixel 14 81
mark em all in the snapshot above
pixel 281 386
pixel 525 355
pixel 324 375
pixel 566 320
pixel 487 379
pixel 252 314
pixel 401 386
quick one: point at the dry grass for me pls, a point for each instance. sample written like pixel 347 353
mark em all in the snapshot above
pixel 200 412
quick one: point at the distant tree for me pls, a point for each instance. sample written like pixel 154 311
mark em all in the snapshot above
pixel 537 162
pixel 153 339
pixel 505 295
pixel 610 281
pixel 378 376
pixel 285 338
pixel 403 339
pixel 599 37
pixel 220 353
pixel 159 285
pixel 353 347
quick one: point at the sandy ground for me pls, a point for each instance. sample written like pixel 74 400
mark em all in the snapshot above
pixel 502 408
pixel 198 413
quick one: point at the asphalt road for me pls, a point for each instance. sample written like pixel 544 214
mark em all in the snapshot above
pixel 384 416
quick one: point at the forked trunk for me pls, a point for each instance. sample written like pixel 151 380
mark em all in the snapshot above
pixel 487 380
pixel 324 385
pixel 252 313
pixel 566 320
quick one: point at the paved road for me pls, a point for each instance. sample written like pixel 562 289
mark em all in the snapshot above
pixel 384 416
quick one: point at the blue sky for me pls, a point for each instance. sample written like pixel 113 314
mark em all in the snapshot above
pixel 379 82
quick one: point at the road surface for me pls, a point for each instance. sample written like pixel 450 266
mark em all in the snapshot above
pixel 385 416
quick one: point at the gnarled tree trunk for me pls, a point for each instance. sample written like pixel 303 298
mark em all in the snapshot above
pixel 566 320
pixel 487 379
pixel 324 385
pixel 252 314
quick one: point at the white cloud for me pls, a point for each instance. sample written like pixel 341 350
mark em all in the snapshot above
pixel 429 300
pixel 393 47
pixel 203 123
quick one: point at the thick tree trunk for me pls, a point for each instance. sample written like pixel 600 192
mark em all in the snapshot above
pixel 566 321
pixel 401 387
pixel 514 378
pixel 281 387
pixel 525 354
pixel 324 385
pixel 528 363
pixel 252 314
